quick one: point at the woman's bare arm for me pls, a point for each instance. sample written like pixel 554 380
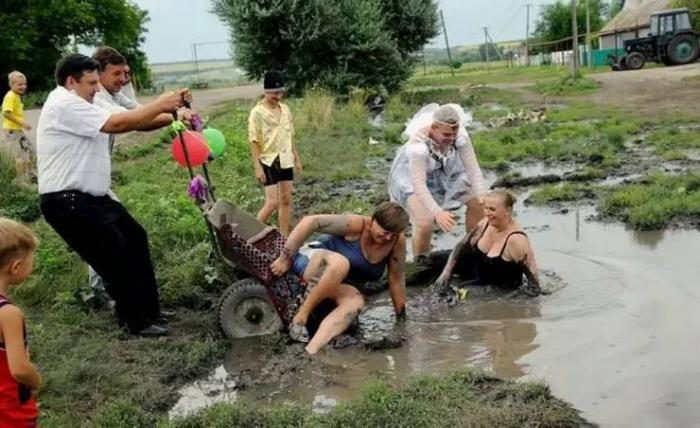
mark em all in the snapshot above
pixel 339 225
pixel 465 244
pixel 397 276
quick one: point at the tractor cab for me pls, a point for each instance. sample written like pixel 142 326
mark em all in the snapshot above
pixel 671 41
pixel 669 22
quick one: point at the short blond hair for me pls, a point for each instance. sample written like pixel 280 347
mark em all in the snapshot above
pixel 16 241
pixel 14 75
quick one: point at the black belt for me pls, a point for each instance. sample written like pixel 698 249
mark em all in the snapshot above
pixel 68 194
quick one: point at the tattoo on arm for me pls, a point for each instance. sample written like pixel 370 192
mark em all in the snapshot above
pixel 334 225
pixel 331 224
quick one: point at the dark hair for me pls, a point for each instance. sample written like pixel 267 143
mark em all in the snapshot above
pixel 74 65
pixel 507 197
pixel 391 216
pixel 106 55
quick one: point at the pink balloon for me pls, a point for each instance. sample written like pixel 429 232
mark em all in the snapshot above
pixel 197 149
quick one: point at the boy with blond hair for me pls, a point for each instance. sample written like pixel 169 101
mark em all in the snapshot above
pixel 16 142
pixel 19 379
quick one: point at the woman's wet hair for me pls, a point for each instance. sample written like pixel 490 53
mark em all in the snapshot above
pixel 391 216
pixel 507 197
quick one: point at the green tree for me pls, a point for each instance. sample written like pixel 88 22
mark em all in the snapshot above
pixel 34 34
pixel 554 21
pixel 694 7
pixel 493 51
pixel 615 8
pixel 336 45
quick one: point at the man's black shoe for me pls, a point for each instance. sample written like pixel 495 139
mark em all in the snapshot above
pixel 152 330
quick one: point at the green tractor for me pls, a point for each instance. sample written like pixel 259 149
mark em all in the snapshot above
pixel 671 41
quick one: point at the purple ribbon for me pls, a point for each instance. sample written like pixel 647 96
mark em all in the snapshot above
pixel 197 123
pixel 198 188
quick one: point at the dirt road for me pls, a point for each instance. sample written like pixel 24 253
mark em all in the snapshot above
pixel 653 90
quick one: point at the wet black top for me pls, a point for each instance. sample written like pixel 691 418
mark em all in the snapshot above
pixel 496 270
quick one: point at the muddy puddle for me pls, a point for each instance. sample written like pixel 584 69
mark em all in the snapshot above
pixel 618 339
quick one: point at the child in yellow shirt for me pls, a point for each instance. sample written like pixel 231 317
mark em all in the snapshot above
pixel 275 156
pixel 15 140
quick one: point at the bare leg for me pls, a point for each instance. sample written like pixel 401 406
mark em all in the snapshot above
pixel 285 205
pixel 350 303
pixel 271 203
pixel 329 269
pixel 422 223
pixel 475 212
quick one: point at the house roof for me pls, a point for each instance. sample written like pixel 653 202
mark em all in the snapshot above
pixel 635 15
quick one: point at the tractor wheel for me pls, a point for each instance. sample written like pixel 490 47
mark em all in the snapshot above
pixel 635 61
pixel 683 49
pixel 245 310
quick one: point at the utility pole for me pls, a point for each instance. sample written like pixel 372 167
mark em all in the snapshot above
pixel 447 43
pixel 425 69
pixel 486 45
pixel 574 30
pixel 589 53
pixel 196 62
pixel 494 45
pixel 527 36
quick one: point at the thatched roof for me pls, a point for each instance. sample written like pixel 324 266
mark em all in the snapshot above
pixel 635 15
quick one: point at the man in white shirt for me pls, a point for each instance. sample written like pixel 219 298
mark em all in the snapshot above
pixel 74 180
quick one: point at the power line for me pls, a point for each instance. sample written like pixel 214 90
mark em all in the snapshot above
pixel 510 21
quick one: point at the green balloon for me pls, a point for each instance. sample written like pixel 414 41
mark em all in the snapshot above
pixel 215 140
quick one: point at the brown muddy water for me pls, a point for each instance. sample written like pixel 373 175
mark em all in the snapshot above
pixel 618 339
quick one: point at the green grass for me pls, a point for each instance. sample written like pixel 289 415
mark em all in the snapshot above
pixel 599 143
pixel 16 201
pixel 566 192
pixel 484 75
pixel 670 143
pixel 459 399
pixel 567 86
pixel 656 201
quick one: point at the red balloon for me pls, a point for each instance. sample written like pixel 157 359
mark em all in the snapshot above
pixel 197 149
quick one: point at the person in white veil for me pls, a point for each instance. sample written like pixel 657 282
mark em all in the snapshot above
pixel 435 171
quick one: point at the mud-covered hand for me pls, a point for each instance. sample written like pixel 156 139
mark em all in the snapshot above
pixel 441 286
pixel 280 266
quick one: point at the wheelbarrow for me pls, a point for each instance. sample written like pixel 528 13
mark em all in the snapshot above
pixel 261 303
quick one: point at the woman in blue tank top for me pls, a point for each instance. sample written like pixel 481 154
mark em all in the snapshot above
pixel 497 252
pixel 353 251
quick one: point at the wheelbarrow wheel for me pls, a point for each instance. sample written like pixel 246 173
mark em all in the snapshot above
pixel 245 310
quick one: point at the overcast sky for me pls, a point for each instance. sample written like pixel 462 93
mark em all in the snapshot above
pixel 177 24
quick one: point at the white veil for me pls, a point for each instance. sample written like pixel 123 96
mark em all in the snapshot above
pixel 424 119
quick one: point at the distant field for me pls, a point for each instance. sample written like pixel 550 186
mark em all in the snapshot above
pixel 213 72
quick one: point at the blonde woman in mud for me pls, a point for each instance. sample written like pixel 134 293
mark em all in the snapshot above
pixel 355 250
pixel 435 169
pixel 497 252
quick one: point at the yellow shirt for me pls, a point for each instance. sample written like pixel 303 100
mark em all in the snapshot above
pixel 272 133
pixel 12 103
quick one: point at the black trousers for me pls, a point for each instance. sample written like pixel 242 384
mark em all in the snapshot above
pixel 105 235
